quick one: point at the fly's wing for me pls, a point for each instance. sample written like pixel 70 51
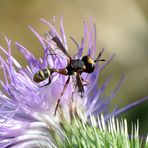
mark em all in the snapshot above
pixel 59 44
pixel 80 84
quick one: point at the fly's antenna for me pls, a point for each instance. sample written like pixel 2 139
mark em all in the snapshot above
pixel 98 58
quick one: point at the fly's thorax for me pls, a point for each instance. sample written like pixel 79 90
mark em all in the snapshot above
pixel 70 70
pixel 76 65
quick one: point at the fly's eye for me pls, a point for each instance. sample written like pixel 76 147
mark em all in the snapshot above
pixel 89 64
pixel 85 59
pixel 90 68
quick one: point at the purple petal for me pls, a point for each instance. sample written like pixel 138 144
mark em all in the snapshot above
pixel 39 37
pixel 126 108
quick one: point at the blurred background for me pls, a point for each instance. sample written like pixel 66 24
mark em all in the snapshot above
pixel 122 27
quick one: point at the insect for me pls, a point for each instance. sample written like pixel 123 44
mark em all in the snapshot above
pixel 74 67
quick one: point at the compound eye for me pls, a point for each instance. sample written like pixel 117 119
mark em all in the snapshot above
pixel 90 68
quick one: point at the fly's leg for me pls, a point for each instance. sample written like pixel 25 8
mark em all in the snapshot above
pixel 49 81
pixel 58 102
pixel 86 82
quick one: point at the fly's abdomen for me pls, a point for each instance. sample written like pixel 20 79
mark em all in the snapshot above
pixel 41 75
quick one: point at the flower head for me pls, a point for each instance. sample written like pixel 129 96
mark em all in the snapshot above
pixel 27 107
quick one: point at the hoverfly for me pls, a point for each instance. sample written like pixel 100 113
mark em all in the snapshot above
pixel 74 67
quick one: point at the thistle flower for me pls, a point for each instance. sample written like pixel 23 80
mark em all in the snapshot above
pixel 26 108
